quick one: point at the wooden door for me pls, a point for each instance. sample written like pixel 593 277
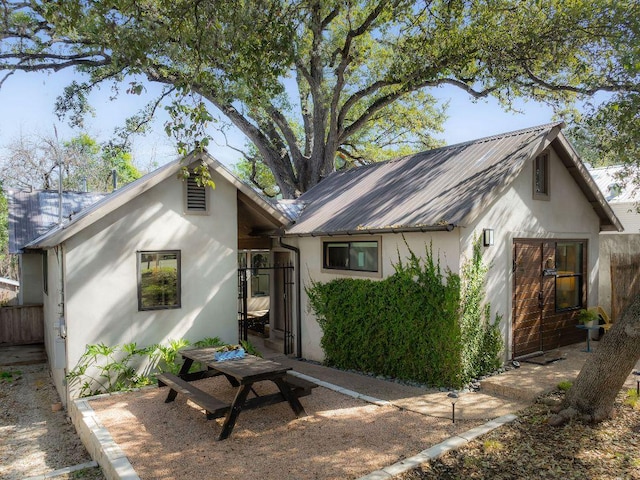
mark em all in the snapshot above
pixel 527 298
pixel 540 323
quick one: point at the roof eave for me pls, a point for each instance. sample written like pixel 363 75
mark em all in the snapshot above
pixel 608 219
pixel 370 231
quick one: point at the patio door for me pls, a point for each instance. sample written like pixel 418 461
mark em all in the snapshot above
pixel 548 292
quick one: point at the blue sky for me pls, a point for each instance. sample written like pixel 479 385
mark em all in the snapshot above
pixel 27 102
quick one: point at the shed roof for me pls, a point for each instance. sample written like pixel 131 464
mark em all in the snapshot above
pixel 615 185
pixel 438 189
pixel 31 214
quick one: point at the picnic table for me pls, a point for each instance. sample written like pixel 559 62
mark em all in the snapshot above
pixel 241 373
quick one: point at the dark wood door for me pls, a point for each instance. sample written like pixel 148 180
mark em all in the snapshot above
pixel 538 323
pixel 527 298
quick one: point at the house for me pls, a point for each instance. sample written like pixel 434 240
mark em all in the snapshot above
pixel 163 259
pixel 153 261
pixel 525 193
pixel 619 251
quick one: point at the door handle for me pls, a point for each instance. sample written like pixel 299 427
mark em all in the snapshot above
pixel 540 300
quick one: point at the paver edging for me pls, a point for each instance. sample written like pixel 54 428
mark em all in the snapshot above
pixel 436 451
pixel 99 442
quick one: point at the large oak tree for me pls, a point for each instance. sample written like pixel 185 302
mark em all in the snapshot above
pixel 315 83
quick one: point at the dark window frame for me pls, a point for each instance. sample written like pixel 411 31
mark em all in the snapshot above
pixel 541 162
pixel 347 268
pixel 579 277
pixel 177 253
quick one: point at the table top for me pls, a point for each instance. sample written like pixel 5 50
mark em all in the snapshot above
pixel 246 370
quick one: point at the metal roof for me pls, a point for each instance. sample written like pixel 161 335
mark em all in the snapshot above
pixel 33 213
pixel 125 194
pixel 433 190
pixel 614 184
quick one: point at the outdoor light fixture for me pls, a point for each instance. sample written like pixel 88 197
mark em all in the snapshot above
pixel 487 236
pixel 454 398
pixel 637 374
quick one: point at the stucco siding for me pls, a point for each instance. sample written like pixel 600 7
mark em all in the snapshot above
pixel 30 279
pixel 445 244
pixel 515 214
pixel 101 271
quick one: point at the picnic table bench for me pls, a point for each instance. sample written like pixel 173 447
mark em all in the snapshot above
pixel 241 373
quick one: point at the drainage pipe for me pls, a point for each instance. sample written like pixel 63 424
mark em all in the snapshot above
pixel 296 250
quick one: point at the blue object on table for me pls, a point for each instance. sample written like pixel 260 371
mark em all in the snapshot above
pixel 584 327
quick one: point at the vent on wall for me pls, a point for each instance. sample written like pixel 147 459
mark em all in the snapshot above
pixel 196 196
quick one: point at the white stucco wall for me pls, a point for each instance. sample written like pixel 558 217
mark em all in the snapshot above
pixel 566 215
pixel 101 303
pixel 445 244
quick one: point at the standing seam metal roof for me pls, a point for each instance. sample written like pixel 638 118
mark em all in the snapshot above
pixel 443 187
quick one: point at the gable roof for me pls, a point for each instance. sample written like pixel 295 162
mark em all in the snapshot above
pixel 438 189
pixel 31 214
pixel 130 191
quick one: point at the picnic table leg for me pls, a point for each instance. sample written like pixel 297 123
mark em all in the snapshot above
pixel 234 411
pixel 186 365
pixel 294 403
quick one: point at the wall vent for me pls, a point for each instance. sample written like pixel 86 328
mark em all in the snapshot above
pixel 196 195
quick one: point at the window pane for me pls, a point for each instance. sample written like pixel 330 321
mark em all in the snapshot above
pixel 364 256
pixel 337 255
pixel 569 260
pixel 541 165
pixel 158 285
pixel 260 285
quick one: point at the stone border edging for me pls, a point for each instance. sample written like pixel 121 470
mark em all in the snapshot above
pixel 99 442
pixel 344 391
pixel 436 451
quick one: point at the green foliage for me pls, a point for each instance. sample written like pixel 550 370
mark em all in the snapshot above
pixel 408 325
pixel 564 386
pixel 9 375
pixel 105 369
pixel 633 400
pixel 159 286
pixel 363 70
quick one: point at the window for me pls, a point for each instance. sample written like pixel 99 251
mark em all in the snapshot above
pixel 569 276
pixel 358 256
pixel 195 195
pixel 541 177
pixel 259 276
pixel 45 273
pixel 158 280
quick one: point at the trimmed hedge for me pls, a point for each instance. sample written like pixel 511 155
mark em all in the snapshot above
pixel 414 325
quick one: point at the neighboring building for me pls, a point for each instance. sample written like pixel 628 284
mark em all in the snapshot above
pixel 527 191
pixel 153 261
pixel 619 251
pixel 142 265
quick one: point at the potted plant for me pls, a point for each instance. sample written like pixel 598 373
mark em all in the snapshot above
pixel 588 317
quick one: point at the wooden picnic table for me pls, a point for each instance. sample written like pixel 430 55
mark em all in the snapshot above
pixel 241 373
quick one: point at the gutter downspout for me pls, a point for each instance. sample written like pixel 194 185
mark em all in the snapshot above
pixel 296 250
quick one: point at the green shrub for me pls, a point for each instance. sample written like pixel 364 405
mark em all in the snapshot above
pixel 421 323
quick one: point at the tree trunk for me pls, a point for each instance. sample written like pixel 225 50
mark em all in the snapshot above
pixel 592 396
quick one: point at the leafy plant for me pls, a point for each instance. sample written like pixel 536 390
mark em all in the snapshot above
pixel 633 400
pixel 421 323
pixel 564 386
pixel 9 375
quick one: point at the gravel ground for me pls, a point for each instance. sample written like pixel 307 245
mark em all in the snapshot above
pixel 341 438
pixel 35 440
pixel 529 448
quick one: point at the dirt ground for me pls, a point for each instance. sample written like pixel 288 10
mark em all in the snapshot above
pixel 341 437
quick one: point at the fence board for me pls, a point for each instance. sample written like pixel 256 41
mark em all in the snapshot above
pixel 625 281
pixel 21 325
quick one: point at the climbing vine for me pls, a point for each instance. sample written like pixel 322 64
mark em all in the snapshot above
pixel 423 323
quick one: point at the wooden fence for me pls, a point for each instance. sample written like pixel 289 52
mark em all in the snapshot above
pixel 21 325
pixel 625 281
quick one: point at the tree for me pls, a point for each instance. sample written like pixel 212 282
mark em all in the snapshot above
pixel 314 83
pixel 32 163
